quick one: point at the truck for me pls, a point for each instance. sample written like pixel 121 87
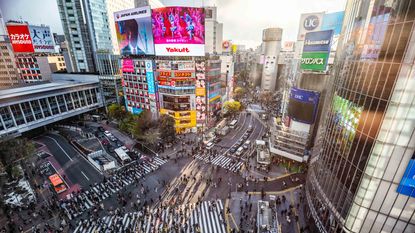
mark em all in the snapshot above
pixel 223 131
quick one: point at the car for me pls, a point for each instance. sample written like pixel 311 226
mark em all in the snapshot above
pixel 113 139
pixel 247 144
pixel 125 149
pixel 246 136
pixel 209 145
pixel 233 149
pixel 107 133
pixel 239 150
pixel 217 140
pixel 101 129
pixel 250 128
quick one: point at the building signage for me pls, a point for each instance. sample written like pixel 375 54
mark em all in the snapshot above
pixel 184 65
pixel 318 41
pixel 150 77
pixel 127 65
pixel 42 39
pixel 314 61
pixel 333 21
pixel 164 74
pixel 134 31
pixel 200 92
pixel 183 74
pixel 179 31
pixel 407 184
pixel 303 105
pixel 308 23
pixel 20 38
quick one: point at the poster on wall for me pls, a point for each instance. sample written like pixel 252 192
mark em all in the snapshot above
pixel 179 31
pixel 200 92
pixel 134 31
pixel 42 39
pixel 303 105
pixel 20 38
pixel 407 184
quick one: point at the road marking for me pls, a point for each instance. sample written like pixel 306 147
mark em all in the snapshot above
pixel 60 148
pixel 234 222
pixel 85 175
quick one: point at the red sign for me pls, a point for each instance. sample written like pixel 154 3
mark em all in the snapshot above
pixel 20 38
pixel 165 74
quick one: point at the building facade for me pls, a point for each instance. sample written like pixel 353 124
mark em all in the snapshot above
pixel 29 107
pixel 109 69
pixel 213 32
pixel 271 45
pixel 213 89
pixel 139 87
pixel 361 177
pixel 8 71
pixel 34 68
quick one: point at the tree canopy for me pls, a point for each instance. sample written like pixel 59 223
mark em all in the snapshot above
pixel 167 130
pixel 117 112
pixel 232 107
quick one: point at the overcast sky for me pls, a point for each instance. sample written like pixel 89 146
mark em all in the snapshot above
pixel 243 20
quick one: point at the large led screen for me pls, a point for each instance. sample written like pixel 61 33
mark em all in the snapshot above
pixel 134 33
pixel 179 31
pixel 303 105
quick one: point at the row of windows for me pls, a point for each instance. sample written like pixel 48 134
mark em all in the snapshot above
pixel 26 112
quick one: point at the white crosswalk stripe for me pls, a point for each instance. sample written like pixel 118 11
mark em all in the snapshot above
pixel 206 216
pixel 228 163
pixel 85 200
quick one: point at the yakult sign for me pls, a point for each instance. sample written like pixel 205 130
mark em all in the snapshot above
pixel 308 23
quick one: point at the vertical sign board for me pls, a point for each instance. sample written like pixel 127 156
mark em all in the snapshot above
pixel 134 31
pixel 407 184
pixel 150 77
pixel 179 31
pixel 42 39
pixel 200 92
pixel 20 38
pixel 316 50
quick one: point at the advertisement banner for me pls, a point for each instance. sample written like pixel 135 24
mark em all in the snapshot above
pixel 314 61
pixel 318 41
pixel 288 46
pixel 333 21
pixel 42 39
pixel 134 31
pixel 127 65
pixel 183 65
pixel 164 65
pixel 20 38
pixel 309 23
pixel 200 92
pixel 407 184
pixel 303 105
pixel 179 31
pixel 226 46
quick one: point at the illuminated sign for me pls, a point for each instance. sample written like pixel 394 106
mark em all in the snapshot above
pixel 164 74
pixel 127 65
pixel 314 61
pixel 20 38
pixel 182 74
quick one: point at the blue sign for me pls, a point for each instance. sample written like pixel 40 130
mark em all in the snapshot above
pixel 150 82
pixel 333 21
pixel 407 184
pixel 304 106
pixel 137 111
pixel 304 95
pixel 318 41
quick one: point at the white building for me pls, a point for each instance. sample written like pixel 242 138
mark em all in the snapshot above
pixel 213 31
pixel 271 46
pixel 227 72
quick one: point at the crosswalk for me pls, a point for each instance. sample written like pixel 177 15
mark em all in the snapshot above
pixel 78 203
pixel 204 217
pixel 228 163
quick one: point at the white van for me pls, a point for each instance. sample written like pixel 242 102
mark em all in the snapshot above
pixel 209 145
pixel 246 144
pixel 239 151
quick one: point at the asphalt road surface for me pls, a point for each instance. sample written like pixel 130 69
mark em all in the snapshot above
pixel 76 168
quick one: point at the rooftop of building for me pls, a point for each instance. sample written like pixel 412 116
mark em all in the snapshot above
pixel 58 82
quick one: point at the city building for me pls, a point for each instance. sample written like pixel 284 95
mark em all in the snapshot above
pixel 271 45
pixel 361 172
pixel 8 71
pixel 29 107
pixel 34 67
pixel 213 31
pixel 87 31
pixel 226 79
pixel 139 87
pixel 213 89
pixel 109 69
pixel 182 92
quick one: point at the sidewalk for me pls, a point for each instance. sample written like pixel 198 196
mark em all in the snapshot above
pixel 275 172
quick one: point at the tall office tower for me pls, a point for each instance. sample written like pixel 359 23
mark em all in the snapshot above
pixel 362 179
pixel 214 31
pixel 86 27
pixel 271 45
pixel 8 70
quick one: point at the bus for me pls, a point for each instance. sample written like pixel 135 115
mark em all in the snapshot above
pixel 58 185
pixel 233 123
pixel 122 155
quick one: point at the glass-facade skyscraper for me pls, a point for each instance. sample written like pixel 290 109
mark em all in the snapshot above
pixel 363 177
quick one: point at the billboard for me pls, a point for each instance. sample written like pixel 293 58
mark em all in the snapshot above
pixel 309 23
pixel 318 41
pixel 407 184
pixel 303 105
pixel 150 77
pixel 288 46
pixel 179 31
pixel 134 31
pixel 333 21
pixel 42 39
pixel 314 61
pixel 200 92
pixel 20 38
pixel 127 65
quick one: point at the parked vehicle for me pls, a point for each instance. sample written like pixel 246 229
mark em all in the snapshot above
pixel 239 151
pixel 209 145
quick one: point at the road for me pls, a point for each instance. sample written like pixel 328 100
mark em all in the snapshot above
pixel 75 167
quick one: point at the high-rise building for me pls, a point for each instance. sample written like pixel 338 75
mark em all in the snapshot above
pixel 8 71
pixel 110 77
pixel 271 38
pixel 87 30
pixel 213 31
pixel 361 174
